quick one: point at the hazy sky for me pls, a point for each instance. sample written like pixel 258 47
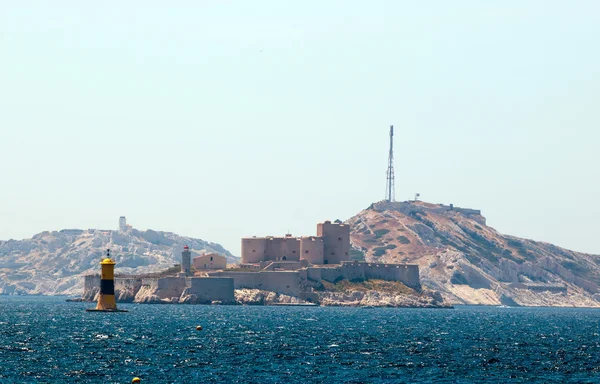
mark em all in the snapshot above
pixel 225 119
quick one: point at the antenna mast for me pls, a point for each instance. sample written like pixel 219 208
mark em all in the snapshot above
pixel 390 189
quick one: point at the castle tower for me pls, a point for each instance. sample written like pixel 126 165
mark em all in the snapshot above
pixel 122 224
pixel 106 298
pixel 336 242
pixel 186 257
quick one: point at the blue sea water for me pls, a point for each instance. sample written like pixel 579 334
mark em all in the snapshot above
pixel 47 340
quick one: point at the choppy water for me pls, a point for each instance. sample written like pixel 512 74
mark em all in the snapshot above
pixel 49 340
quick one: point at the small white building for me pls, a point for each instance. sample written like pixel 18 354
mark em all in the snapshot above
pixel 210 261
pixel 122 224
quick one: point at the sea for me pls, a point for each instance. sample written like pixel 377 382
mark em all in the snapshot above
pixel 48 340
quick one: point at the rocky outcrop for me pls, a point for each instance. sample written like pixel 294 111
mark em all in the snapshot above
pixel 377 293
pixel 382 299
pixel 259 297
pixel 54 262
pixel 471 263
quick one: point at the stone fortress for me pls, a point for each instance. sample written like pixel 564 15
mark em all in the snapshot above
pixel 287 265
pixel 330 246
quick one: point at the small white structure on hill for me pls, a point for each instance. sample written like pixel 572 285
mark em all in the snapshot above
pixel 122 224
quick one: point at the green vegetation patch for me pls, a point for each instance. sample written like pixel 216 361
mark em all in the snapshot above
pixel 348 286
pixel 379 233
pixel 403 240
pixel 357 255
pixel 380 251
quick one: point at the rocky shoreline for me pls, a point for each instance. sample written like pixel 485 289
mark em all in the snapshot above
pixel 349 298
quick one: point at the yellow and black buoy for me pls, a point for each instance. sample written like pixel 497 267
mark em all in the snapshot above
pixel 198 327
pixel 136 380
pixel 106 298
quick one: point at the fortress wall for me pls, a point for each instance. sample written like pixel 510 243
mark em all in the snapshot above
pixel 281 281
pixel 291 249
pixel 91 287
pixel 331 274
pixel 313 273
pixel 382 271
pixel 170 287
pixel 311 249
pixel 284 265
pixel 253 249
pixel 336 242
pixel 303 274
pixel 275 248
pixel 208 289
pixel 91 281
pixel 150 282
pixel 126 289
pixel 353 271
pixel 409 275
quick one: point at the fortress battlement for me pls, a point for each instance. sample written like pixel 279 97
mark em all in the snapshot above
pixel 330 246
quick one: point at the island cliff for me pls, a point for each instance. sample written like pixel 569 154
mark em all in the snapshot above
pixel 471 263
pixel 437 255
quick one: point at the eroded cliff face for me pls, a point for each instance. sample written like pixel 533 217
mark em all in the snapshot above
pixel 471 263
pixel 55 262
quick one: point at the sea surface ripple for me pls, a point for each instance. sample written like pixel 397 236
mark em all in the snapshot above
pixel 46 340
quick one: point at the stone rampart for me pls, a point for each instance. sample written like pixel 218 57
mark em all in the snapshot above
pixel 331 274
pixel 356 270
pixel 209 289
pixel 126 289
pixel 285 282
pixel 314 273
pixel 283 265
pixel 91 287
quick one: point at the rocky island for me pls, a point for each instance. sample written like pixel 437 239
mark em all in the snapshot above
pixel 285 270
pixel 399 254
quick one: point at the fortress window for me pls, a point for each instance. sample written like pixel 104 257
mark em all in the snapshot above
pixel 293 251
pixel 254 250
pixel 306 251
pixel 332 253
pixel 212 257
pixel 339 238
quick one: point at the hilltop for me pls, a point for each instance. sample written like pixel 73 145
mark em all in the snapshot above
pixel 54 262
pixel 471 263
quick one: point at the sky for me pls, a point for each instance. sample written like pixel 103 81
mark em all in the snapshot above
pixel 224 119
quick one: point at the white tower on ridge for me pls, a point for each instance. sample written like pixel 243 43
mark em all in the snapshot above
pixel 122 224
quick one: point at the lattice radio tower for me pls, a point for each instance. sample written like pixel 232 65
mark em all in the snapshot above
pixel 389 190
